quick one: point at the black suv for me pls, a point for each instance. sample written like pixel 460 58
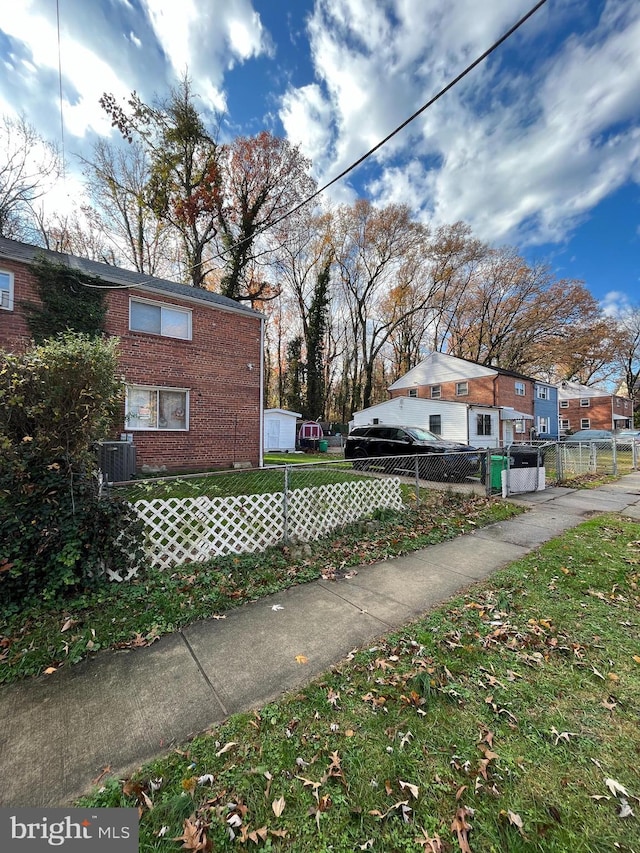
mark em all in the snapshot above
pixel 448 460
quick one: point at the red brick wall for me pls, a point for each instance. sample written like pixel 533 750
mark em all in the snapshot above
pixel 600 412
pixel 483 391
pixel 224 393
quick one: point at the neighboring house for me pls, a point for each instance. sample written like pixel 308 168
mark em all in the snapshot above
pixel 478 426
pixel 192 360
pixel 585 407
pixel 445 377
pixel 280 430
pixel 545 411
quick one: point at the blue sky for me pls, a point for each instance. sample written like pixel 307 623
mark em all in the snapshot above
pixel 538 148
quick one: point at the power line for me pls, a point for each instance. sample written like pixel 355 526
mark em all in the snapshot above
pixel 382 142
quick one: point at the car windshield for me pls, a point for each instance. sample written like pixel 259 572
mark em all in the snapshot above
pixel 423 434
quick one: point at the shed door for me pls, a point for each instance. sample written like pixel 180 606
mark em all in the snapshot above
pixel 273 434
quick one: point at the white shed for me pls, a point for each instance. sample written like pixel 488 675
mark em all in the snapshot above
pixel 280 430
pixel 468 424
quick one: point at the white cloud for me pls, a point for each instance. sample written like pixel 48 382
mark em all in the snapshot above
pixel 522 154
pixel 615 304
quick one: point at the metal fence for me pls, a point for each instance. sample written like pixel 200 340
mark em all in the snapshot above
pixel 193 518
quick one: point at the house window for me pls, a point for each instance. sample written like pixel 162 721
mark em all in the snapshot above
pixel 584 402
pixel 436 392
pixel 520 389
pixel 157 319
pixel 618 402
pixel 585 423
pixel 564 404
pixel 564 423
pixel 544 425
pixel 413 392
pixel 483 424
pixel 157 408
pixel 462 389
pixel 6 291
pixel 435 424
pixel 542 392
pixel 518 426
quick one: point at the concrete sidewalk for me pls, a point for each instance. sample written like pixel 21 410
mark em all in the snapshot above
pixel 123 708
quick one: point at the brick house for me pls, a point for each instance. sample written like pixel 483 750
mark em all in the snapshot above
pixel 445 377
pixel 585 407
pixel 192 360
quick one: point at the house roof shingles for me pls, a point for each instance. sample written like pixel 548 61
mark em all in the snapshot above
pixel 26 253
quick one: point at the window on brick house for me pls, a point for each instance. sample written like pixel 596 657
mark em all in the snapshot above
pixel 412 392
pixel 565 423
pixel 585 423
pixel 462 389
pixel 520 389
pixel 152 408
pixel 436 392
pixel 159 319
pixel 585 403
pixel 6 291
pixel 564 404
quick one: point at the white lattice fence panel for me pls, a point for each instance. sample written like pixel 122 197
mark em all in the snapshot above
pixel 317 510
pixel 186 530
pixel 181 530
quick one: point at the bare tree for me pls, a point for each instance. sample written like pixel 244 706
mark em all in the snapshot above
pixel 29 165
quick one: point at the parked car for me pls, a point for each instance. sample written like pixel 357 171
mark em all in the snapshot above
pixel 583 436
pixel 627 438
pixel 447 460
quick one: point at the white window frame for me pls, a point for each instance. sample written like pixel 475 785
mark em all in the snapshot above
pixel 157 389
pixel 162 305
pixel 436 392
pixel 462 389
pixel 482 422
pixel 565 423
pixel 412 392
pixel 6 295
pixel 520 389
pixel 585 402
pixel 564 404
pixel 544 424
pixel 542 392
pixel 433 429
pixel 585 423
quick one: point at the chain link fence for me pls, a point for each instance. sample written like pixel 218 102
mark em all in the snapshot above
pixel 193 518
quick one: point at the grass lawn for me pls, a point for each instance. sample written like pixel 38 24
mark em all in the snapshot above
pixel 507 720
pixel 51 634
pixel 249 482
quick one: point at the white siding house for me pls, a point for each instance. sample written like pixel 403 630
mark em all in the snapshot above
pixel 468 424
pixel 280 430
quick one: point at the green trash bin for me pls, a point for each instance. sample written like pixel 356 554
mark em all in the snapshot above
pixel 499 463
pixel 323 445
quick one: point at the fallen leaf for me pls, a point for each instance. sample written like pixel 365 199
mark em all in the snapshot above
pixel 514 819
pixel 302 659
pixel 431 845
pixel 193 835
pixel 68 624
pixel 625 809
pixel 412 788
pixel 278 806
pixel 277 607
pixel 226 748
pixel 50 670
pixel 616 788
pixel 462 828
